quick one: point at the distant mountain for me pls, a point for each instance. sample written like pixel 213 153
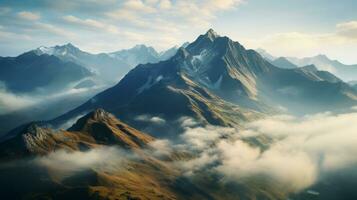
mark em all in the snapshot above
pixel 165 55
pixel 30 72
pixel 142 54
pixel 217 81
pixel 283 63
pixel 107 68
pixel 265 54
pixel 322 62
pixel 315 74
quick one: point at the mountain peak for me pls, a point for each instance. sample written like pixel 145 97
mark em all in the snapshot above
pixel 69 45
pixel 98 115
pixel 106 128
pixel 322 57
pixel 211 34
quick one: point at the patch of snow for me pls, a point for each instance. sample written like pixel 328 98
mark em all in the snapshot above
pixel 149 83
pixel 46 50
pixel 159 78
pixel 64 52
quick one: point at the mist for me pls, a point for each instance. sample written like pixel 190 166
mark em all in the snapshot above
pixel 17 109
pixel 66 163
pixel 292 153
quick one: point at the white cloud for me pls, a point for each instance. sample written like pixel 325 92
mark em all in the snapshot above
pixel 10 102
pixel 161 147
pixel 347 30
pixel 152 119
pixel 301 150
pixel 67 163
pixel 301 44
pixel 29 16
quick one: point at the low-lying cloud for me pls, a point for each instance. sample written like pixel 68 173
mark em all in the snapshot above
pixel 293 153
pixel 151 119
pixel 68 163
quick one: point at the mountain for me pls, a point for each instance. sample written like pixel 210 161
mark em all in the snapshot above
pixel 30 72
pixel 100 157
pixel 265 54
pixel 97 127
pixel 283 63
pixel 110 67
pixel 165 55
pixel 125 178
pixel 142 54
pixel 315 74
pixel 216 81
pixel 107 68
pixel 322 62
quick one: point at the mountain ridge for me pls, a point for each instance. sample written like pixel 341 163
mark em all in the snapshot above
pixel 211 76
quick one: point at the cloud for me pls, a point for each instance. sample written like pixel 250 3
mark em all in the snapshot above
pixel 291 171
pixel 152 119
pixel 10 102
pixel 161 147
pixel 91 24
pixel 295 154
pixel 69 123
pixel 29 16
pixel 41 98
pixel 303 44
pixel 203 137
pixel 68 163
pixel 347 30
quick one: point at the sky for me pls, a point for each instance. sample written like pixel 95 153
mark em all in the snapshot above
pixel 296 28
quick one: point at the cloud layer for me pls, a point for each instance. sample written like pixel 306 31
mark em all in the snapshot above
pixel 291 153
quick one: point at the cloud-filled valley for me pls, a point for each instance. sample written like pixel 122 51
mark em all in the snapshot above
pixel 137 112
pixel 300 153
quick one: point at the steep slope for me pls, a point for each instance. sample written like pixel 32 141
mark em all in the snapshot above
pixel 265 54
pixel 95 128
pixel 216 80
pixel 150 179
pixel 30 72
pixel 315 74
pixel 165 55
pixel 322 62
pixel 283 63
pixel 100 157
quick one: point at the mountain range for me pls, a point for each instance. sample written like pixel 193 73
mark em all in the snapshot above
pixel 52 72
pixel 215 80
pixel 322 62
pixel 109 67
pixel 30 72
pixel 140 139
pixel 123 163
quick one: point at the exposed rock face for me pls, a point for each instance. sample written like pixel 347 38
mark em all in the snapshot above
pixel 96 128
pixel 217 81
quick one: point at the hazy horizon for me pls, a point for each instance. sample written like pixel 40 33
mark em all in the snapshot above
pixel 283 29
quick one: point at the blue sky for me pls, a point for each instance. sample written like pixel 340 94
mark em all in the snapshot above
pixel 284 28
